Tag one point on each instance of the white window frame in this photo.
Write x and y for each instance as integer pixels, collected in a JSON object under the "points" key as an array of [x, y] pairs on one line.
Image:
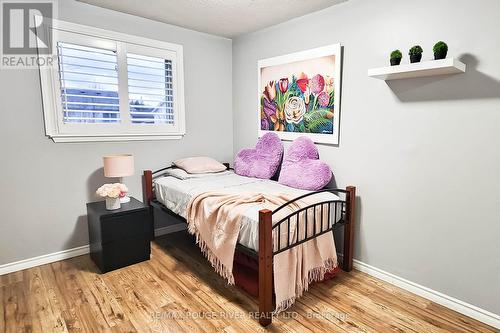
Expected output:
{"points": [[59, 131]]}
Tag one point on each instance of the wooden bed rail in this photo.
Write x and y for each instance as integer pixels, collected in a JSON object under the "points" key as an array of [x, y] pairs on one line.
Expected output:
{"points": [[265, 267], [147, 187], [349, 228]]}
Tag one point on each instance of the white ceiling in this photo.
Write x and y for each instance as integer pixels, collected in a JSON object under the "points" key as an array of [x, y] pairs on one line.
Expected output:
{"points": [[228, 18]]}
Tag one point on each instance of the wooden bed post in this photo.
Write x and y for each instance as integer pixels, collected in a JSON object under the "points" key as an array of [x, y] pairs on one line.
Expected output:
{"points": [[147, 187], [265, 267], [349, 228]]}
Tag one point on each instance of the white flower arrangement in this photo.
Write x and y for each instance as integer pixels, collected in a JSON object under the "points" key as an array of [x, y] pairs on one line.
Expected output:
{"points": [[116, 190]]}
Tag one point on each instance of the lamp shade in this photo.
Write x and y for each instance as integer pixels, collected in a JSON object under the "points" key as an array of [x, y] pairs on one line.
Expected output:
{"points": [[118, 165]]}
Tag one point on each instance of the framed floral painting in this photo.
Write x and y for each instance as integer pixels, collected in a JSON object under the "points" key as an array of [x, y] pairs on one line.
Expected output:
{"points": [[299, 94]]}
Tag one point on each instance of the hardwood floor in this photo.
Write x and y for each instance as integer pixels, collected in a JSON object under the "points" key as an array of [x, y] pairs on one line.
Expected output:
{"points": [[178, 291]]}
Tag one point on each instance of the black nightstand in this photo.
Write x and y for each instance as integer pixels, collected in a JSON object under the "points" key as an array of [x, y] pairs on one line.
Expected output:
{"points": [[121, 237]]}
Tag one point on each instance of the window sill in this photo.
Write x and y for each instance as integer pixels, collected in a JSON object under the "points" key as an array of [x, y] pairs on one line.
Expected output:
{"points": [[112, 138]]}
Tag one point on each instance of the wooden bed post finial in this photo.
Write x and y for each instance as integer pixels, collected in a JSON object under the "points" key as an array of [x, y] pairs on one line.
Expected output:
{"points": [[349, 228], [265, 267]]}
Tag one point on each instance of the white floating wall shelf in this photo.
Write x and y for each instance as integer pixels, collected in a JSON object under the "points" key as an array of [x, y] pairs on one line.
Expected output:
{"points": [[418, 69]]}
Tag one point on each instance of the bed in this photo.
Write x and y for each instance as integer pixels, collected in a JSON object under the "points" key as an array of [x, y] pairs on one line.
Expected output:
{"points": [[167, 194]]}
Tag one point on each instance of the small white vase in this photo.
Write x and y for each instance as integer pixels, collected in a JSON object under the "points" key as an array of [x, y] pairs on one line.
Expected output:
{"points": [[112, 203]]}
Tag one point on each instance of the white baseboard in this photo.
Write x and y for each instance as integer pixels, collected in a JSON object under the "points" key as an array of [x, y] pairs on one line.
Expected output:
{"points": [[70, 253], [470, 310], [170, 229], [43, 259], [457, 305]]}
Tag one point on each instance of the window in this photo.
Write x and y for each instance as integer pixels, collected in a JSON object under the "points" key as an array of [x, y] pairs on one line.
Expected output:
{"points": [[150, 90], [89, 84], [107, 86]]}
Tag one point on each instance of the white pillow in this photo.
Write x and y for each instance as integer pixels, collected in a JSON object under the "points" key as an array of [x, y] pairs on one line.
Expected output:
{"points": [[199, 165], [183, 175]]}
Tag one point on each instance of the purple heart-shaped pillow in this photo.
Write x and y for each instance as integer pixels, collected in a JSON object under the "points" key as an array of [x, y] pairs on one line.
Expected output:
{"points": [[302, 168], [262, 161]]}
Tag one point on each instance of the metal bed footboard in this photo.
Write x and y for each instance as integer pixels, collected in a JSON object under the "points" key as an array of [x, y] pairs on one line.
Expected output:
{"points": [[267, 250], [337, 207]]}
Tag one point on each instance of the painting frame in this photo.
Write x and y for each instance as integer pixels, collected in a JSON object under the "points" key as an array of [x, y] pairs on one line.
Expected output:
{"points": [[334, 50]]}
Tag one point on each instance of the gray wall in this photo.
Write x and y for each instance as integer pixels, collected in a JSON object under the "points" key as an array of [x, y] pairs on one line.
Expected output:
{"points": [[423, 153], [44, 185]]}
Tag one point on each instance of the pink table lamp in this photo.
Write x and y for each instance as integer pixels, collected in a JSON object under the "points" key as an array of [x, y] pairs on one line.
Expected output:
{"points": [[119, 166]]}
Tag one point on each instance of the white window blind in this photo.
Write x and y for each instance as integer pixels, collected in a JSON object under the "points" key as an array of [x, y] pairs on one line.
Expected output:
{"points": [[150, 89], [89, 84], [108, 86]]}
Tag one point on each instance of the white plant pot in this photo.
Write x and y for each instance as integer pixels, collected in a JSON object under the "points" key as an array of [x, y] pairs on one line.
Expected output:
{"points": [[112, 203]]}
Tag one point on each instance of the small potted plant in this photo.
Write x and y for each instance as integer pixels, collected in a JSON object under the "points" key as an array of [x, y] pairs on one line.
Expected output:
{"points": [[440, 50], [396, 56], [415, 53], [112, 193]]}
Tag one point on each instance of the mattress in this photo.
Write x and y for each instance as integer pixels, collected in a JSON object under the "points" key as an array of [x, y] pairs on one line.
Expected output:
{"points": [[175, 194]]}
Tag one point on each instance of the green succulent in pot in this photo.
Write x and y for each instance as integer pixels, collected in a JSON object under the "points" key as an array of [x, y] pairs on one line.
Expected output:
{"points": [[440, 50], [415, 53], [396, 56]]}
